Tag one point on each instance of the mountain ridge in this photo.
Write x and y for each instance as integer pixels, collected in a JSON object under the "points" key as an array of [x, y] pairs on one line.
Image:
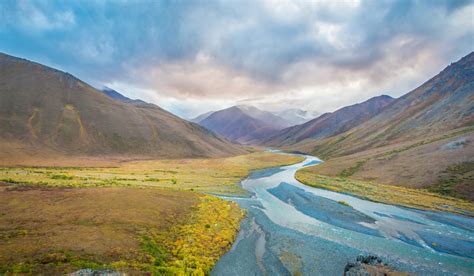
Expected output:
{"points": [[332, 123], [43, 107]]}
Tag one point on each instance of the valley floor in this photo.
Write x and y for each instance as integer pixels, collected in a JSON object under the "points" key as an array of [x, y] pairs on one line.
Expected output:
{"points": [[137, 216]]}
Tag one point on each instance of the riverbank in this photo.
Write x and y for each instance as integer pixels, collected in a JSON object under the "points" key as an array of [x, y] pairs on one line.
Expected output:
{"points": [[143, 216], [395, 195]]}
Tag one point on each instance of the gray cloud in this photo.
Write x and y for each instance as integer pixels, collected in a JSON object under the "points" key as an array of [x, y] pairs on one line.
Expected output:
{"points": [[319, 55]]}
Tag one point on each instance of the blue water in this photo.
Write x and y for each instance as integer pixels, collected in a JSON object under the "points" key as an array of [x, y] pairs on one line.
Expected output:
{"points": [[292, 228]]}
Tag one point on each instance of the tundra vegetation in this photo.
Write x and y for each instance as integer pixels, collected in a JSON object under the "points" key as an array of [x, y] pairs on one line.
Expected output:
{"points": [[403, 196], [141, 216]]}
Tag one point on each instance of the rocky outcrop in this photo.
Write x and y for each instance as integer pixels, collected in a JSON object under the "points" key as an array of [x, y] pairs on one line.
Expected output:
{"points": [[370, 265]]}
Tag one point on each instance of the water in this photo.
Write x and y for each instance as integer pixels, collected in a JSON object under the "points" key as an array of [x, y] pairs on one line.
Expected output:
{"points": [[292, 228]]}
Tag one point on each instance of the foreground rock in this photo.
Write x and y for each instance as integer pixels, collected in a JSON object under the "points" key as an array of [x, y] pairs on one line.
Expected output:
{"points": [[370, 266]]}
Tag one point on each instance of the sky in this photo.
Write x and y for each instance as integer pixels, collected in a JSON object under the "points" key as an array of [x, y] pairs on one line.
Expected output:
{"points": [[192, 56]]}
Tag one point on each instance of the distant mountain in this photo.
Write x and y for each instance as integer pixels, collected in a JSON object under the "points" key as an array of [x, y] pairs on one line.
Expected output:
{"points": [[297, 116], [115, 95], [242, 123], [330, 124], [46, 109], [267, 117], [118, 96], [201, 117]]}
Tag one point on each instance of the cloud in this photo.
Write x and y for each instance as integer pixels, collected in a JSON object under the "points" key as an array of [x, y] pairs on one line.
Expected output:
{"points": [[36, 16], [194, 56]]}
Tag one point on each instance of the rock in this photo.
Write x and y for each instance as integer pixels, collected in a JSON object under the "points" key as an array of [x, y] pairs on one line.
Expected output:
{"points": [[370, 265]]}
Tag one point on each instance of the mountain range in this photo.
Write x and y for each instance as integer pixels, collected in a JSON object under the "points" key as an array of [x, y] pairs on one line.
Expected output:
{"points": [[330, 124], [423, 139], [47, 110], [442, 104], [248, 124]]}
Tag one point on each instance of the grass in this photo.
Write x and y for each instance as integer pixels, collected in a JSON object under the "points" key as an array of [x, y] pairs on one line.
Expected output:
{"points": [[203, 175], [152, 230], [408, 197], [138, 217]]}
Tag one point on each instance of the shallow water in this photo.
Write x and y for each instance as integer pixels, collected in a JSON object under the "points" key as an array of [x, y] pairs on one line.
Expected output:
{"points": [[293, 228]]}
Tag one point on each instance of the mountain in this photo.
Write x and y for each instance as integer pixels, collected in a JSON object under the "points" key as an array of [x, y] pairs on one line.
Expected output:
{"points": [[201, 117], [443, 103], [267, 117], [44, 109], [284, 118], [118, 96], [242, 123], [330, 124], [297, 116], [237, 125], [424, 139]]}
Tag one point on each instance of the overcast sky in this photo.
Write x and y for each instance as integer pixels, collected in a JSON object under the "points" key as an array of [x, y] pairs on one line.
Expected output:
{"points": [[194, 56]]}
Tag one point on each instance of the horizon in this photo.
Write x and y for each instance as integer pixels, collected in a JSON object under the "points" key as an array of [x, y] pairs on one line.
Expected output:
{"points": [[193, 57]]}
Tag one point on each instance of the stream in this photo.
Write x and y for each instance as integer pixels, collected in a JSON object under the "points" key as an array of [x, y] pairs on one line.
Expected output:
{"points": [[293, 229]]}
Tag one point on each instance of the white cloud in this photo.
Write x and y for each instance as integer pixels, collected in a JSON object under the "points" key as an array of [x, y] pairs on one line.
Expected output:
{"points": [[34, 18]]}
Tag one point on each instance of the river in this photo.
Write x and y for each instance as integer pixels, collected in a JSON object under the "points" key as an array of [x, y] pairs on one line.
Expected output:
{"points": [[293, 229]]}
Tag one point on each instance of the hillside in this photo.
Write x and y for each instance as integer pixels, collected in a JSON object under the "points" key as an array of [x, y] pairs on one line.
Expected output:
{"points": [[443, 103], [424, 139], [46, 110], [330, 124]]}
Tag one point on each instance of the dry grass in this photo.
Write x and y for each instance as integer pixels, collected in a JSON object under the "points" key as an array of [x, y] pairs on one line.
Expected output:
{"points": [[139, 216], [60, 230], [414, 198], [206, 175]]}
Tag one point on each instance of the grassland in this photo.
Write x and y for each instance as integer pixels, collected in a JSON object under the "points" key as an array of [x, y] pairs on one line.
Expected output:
{"points": [[217, 175], [143, 216], [402, 196]]}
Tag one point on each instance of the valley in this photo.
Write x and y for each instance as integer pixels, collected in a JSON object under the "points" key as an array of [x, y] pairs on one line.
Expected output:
{"points": [[142, 190], [237, 138]]}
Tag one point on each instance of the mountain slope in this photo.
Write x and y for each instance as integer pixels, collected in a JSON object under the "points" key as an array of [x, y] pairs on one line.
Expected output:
{"points": [[443, 103], [330, 124], [424, 139], [236, 125], [43, 108]]}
